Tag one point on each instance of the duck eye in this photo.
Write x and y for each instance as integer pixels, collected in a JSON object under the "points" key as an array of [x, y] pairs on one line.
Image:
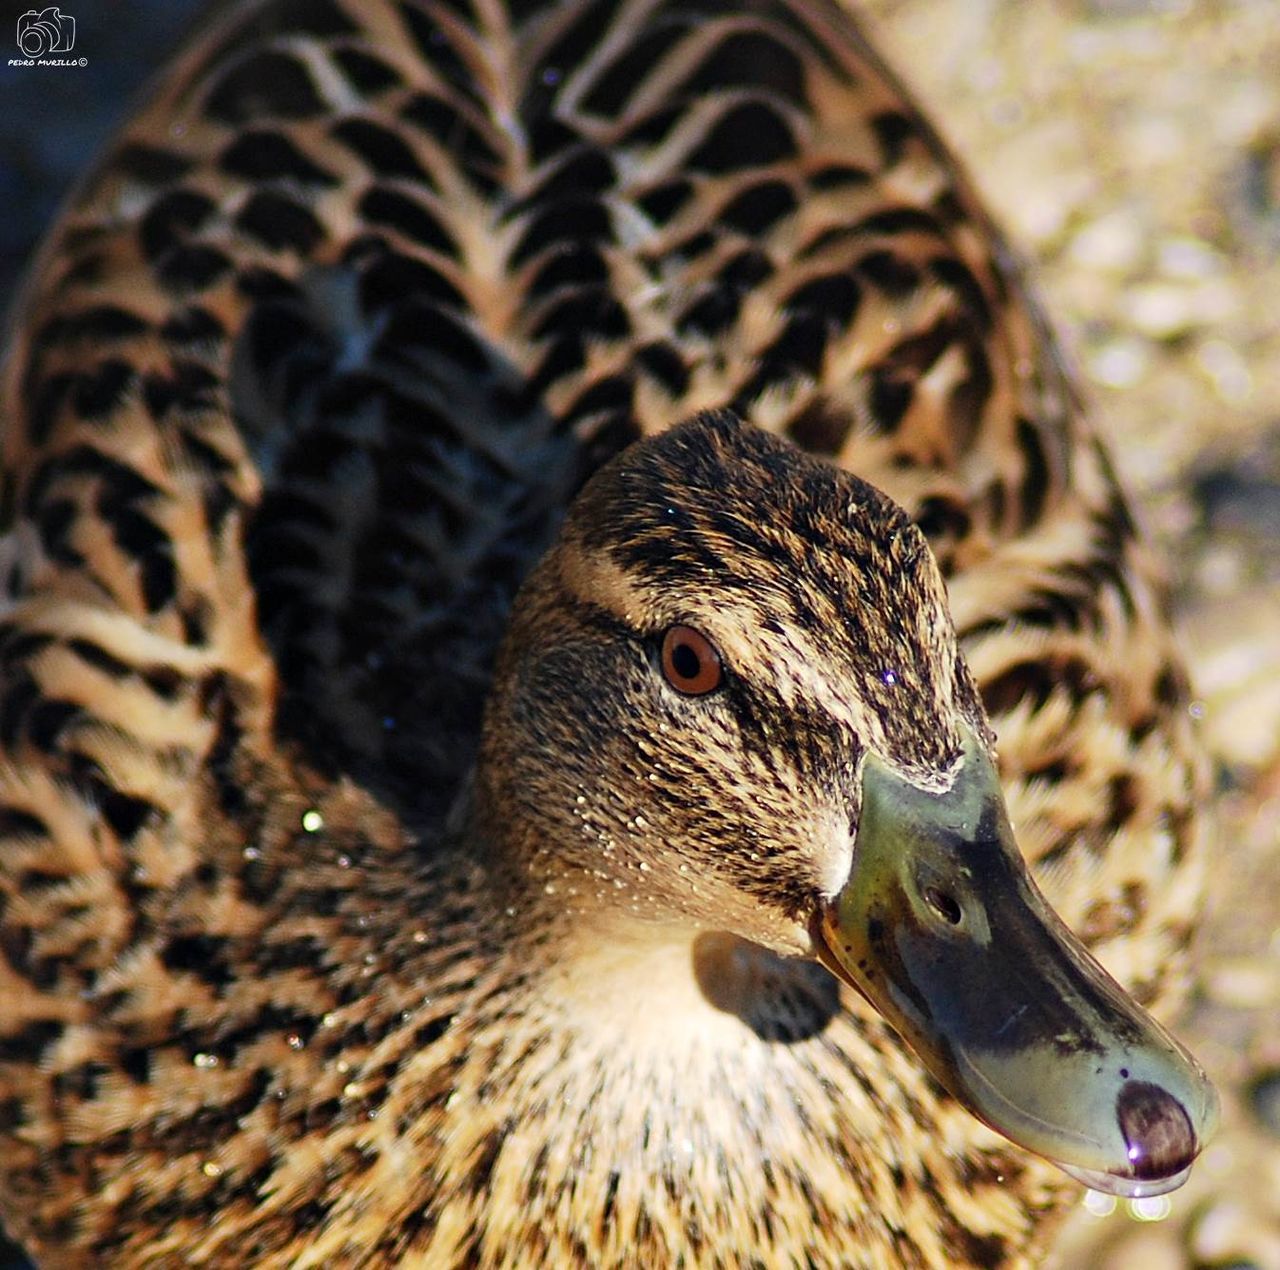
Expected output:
{"points": [[690, 662]]}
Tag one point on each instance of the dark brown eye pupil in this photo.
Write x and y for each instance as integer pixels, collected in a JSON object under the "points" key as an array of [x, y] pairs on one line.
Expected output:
{"points": [[685, 661], [690, 661]]}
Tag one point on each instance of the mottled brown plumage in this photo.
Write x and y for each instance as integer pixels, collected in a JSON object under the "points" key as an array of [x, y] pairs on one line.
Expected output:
{"points": [[304, 381]]}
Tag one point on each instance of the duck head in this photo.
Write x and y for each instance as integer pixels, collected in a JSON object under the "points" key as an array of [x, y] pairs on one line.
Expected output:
{"points": [[731, 699]]}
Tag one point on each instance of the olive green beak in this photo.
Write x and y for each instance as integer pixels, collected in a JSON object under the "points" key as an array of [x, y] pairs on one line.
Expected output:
{"points": [[942, 929]]}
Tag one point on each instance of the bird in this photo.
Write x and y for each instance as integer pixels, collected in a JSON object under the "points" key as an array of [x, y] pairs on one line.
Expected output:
{"points": [[564, 624]]}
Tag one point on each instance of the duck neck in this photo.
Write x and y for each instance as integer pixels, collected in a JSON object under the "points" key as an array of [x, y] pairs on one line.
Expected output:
{"points": [[620, 949], [517, 1023], [593, 935]]}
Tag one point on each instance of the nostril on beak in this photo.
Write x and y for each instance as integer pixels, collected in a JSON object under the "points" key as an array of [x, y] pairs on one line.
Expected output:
{"points": [[1157, 1130]]}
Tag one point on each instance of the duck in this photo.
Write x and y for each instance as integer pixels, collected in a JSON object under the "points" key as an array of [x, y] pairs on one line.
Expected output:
{"points": [[578, 686]]}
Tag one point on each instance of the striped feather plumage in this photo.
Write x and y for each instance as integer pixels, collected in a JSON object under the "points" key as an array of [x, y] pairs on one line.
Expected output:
{"points": [[305, 379]]}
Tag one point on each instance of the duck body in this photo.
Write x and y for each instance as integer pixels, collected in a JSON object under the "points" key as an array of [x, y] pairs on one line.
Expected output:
{"points": [[305, 380]]}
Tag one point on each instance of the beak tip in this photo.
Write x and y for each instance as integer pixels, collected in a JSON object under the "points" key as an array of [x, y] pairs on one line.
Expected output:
{"points": [[1160, 1139]]}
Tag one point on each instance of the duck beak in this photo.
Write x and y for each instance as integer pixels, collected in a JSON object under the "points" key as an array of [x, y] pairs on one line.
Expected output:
{"points": [[942, 929]]}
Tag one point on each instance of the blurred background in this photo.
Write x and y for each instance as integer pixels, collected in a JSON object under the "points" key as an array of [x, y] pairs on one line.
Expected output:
{"points": [[1132, 149]]}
